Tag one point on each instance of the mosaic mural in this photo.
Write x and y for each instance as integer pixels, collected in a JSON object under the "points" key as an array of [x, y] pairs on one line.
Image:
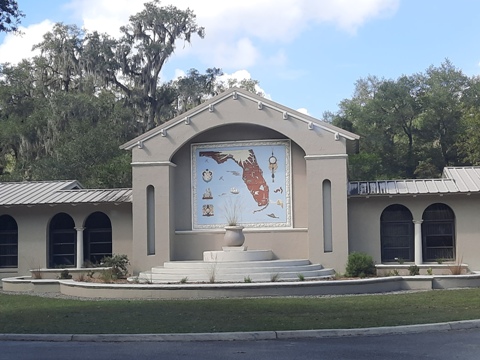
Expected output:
{"points": [[253, 177]]}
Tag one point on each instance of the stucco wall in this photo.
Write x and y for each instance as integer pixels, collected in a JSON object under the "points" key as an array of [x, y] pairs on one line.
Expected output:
{"points": [[33, 223], [286, 243], [165, 163], [364, 222]]}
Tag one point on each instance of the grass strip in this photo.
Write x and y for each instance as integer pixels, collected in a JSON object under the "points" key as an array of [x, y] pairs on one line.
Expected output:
{"points": [[37, 315]]}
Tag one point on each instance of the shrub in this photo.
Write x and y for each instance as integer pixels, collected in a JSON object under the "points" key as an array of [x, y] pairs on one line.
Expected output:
{"points": [[119, 265], [360, 265], [413, 270], [65, 275]]}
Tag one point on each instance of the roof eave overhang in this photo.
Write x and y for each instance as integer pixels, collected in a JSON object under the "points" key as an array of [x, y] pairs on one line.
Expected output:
{"points": [[234, 93]]}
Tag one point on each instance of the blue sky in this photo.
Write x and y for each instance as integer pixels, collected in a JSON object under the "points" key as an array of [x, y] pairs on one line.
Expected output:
{"points": [[307, 54]]}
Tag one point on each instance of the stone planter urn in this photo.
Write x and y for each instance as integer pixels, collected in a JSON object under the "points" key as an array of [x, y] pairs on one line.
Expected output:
{"points": [[234, 235]]}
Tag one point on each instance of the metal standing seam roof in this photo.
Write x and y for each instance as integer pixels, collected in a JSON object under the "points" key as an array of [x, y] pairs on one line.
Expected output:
{"points": [[454, 180], [58, 192], [466, 178]]}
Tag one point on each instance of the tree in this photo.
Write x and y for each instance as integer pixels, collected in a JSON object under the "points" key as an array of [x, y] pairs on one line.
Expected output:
{"points": [[441, 119], [10, 16], [59, 61], [195, 88], [413, 126], [64, 113], [88, 149], [147, 42]]}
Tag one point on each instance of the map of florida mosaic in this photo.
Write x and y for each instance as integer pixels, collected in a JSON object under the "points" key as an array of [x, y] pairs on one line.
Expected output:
{"points": [[255, 176]]}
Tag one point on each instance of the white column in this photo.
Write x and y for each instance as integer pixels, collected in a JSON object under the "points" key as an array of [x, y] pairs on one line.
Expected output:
{"points": [[79, 246], [418, 242]]}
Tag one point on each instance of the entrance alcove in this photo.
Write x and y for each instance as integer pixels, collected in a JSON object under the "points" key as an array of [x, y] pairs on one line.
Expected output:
{"points": [[190, 243]]}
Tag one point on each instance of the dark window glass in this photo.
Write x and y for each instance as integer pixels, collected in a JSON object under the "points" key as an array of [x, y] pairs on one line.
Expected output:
{"points": [[438, 231], [396, 233], [8, 242], [62, 241], [97, 237]]}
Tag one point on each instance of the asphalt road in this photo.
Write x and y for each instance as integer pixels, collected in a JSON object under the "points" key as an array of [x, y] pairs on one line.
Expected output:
{"points": [[459, 344]]}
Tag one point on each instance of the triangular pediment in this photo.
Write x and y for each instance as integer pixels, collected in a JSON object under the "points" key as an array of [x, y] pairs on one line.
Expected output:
{"points": [[304, 122]]}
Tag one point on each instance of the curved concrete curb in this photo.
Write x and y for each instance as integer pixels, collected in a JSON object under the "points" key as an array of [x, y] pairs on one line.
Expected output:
{"points": [[248, 336]]}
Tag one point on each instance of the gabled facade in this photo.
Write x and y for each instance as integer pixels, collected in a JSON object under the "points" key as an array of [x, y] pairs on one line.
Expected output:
{"points": [[168, 222]]}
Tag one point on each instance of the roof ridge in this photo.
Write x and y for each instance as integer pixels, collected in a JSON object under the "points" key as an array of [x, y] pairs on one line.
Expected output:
{"points": [[37, 181], [96, 189]]}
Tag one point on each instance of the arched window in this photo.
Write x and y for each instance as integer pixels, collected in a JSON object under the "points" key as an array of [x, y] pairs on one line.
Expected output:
{"points": [[396, 232], [8, 242], [438, 231], [97, 238], [62, 241]]}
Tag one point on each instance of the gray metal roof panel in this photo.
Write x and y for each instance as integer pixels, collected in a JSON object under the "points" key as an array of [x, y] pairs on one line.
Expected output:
{"points": [[99, 195], [467, 178], [402, 187], [26, 193], [57, 192]]}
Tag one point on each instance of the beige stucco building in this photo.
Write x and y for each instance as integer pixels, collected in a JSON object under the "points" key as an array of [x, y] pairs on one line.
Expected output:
{"points": [[289, 172]]}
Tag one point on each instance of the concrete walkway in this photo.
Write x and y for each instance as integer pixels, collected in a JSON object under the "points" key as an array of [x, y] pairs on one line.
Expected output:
{"points": [[247, 336]]}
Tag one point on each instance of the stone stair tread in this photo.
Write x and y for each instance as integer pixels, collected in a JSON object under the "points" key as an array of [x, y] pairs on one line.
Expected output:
{"points": [[239, 277], [235, 271], [243, 270], [201, 264]]}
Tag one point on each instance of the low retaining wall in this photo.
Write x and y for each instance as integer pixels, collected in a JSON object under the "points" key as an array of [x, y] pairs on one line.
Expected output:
{"points": [[239, 290]]}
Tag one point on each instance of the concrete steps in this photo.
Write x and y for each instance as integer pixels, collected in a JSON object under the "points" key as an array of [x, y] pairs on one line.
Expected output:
{"points": [[234, 271]]}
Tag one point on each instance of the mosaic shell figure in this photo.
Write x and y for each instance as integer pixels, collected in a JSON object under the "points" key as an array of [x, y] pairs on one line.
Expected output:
{"points": [[207, 175]]}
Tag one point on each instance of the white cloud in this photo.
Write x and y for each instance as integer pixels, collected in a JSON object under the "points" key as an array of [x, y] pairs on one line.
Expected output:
{"points": [[235, 29], [18, 47], [238, 33], [240, 75], [303, 111], [349, 15], [178, 74], [105, 16], [237, 55]]}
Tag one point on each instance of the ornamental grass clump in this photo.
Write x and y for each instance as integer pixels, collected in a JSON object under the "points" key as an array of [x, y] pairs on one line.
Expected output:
{"points": [[232, 211], [360, 265]]}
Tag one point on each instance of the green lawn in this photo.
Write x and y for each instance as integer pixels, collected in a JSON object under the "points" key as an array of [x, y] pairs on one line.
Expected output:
{"points": [[32, 314]]}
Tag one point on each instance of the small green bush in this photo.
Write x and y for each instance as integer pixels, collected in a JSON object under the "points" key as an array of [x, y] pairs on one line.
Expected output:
{"points": [[119, 265], [413, 270], [65, 275], [360, 265]]}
